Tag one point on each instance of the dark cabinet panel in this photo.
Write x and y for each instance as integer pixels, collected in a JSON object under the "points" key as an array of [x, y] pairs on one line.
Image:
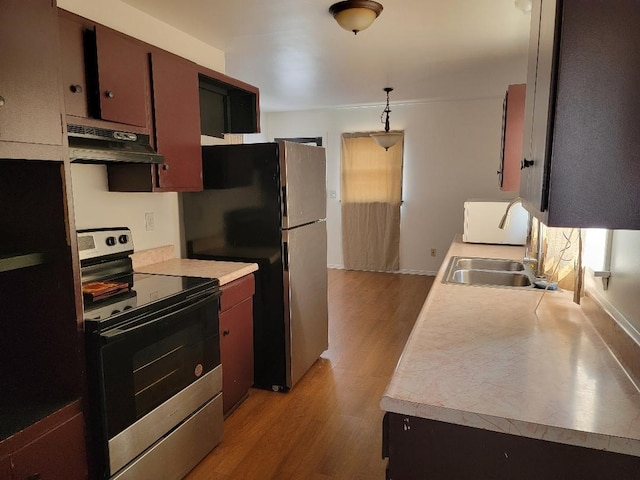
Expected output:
{"points": [[236, 341], [74, 82], [60, 453], [177, 122], [30, 95], [227, 105], [582, 162], [5, 468], [122, 78], [420, 448]]}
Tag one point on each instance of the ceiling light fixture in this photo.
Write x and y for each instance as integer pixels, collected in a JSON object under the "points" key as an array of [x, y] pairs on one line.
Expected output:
{"points": [[355, 15], [524, 5], [386, 139]]}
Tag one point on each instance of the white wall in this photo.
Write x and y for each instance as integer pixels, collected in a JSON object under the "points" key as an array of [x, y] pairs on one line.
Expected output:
{"points": [[452, 151], [621, 298], [94, 205]]}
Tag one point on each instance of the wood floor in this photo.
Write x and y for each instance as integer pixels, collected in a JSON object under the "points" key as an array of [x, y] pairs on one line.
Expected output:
{"points": [[329, 425]]}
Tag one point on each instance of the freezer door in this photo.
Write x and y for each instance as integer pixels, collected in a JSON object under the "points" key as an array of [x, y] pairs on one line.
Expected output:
{"points": [[306, 306], [303, 178]]}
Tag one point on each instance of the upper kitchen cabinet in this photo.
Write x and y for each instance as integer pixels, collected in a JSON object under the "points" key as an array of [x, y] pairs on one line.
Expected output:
{"points": [[512, 130], [31, 108], [122, 78], [581, 157], [187, 100], [74, 82], [227, 105], [105, 75], [177, 122]]}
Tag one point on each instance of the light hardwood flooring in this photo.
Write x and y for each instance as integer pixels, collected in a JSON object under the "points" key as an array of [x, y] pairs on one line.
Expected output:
{"points": [[329, 426]]}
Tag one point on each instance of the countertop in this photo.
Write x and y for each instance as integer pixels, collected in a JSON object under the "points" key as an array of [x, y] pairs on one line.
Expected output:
{"points": [[485, 357], [225, 272]]}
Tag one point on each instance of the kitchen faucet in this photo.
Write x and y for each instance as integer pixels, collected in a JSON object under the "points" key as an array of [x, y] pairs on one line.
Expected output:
{"points": [[535, 261]]}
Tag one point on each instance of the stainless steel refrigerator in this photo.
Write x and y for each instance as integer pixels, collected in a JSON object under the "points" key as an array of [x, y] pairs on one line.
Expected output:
{"points": [[266, 203]]}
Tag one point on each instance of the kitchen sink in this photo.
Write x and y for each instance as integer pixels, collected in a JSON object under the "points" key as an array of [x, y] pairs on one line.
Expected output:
{"points": [[487, 277], [489, 264], [494, 272]]}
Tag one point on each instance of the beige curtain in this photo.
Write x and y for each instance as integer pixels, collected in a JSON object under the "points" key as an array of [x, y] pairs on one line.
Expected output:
{"points": [[371, 195]]}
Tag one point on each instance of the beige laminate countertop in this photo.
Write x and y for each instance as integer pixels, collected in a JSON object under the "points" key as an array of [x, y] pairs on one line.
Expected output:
{"points": [[225, 272], [485, 357]]}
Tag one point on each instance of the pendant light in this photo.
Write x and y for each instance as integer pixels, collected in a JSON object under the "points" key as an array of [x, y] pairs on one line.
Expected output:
{"points": [[386, 139], [355, 15]]}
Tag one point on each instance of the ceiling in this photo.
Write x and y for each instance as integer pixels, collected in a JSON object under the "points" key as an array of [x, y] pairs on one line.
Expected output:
{"points": [[295, 52]]}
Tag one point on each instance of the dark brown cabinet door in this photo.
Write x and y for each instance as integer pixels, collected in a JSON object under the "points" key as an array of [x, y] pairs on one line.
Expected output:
{"points": [[59, 453], [5, 468], [73, 67], [122, 78], [30, 103], [177, 122], [582, 149], [236, 340]]}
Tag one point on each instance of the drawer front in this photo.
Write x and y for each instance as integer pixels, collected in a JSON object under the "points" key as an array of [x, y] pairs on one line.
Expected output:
{"points": [[236, 291]]}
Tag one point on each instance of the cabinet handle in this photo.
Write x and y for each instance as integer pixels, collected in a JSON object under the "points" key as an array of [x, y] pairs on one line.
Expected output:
{"points": [[109, 94], [76, 88], [225, 333], [2, 101], [526, 164], [165, 166], [35, 476]]}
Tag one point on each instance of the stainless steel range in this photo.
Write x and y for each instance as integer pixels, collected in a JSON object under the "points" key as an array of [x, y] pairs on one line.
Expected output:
{"points": [[153, 363]]}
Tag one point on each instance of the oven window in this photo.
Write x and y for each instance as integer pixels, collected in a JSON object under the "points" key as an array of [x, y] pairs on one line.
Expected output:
{"points": [[146, 365], [159, 370]]}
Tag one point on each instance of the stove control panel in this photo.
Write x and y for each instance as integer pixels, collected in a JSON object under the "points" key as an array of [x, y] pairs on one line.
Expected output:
{"points": [[100, 242]]}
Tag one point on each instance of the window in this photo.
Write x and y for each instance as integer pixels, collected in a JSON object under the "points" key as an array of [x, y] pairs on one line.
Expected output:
{"points": [[371, 192]]}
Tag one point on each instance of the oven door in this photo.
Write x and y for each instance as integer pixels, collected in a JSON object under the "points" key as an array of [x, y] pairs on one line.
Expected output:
{"points": [[145, 366]]}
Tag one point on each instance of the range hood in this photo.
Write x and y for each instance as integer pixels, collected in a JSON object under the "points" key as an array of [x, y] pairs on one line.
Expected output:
{"points": [[101, 145]]}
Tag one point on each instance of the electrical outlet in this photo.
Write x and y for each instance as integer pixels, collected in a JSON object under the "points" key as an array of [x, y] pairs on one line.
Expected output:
{"points": [[433, 252], [149, 222]]}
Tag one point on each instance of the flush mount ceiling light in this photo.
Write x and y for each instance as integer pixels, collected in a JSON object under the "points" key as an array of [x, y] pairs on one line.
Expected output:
{"points": [[355, 15], [386, 139], [524, 5]]}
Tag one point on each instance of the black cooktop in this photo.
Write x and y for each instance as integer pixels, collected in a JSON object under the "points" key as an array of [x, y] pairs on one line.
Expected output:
{"points": [[148, 292]]}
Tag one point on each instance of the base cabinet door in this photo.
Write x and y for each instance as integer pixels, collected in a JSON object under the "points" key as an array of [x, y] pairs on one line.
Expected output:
{"points": [[236, 341], [58, 454], [419, 448], [5, 468]]}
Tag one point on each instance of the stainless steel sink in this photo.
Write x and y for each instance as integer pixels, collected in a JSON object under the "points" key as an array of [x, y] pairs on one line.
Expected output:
{"points": [[487, 277], [489, 264], [494, 272]]}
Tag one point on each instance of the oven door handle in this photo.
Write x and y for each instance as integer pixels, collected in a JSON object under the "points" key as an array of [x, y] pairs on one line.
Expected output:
{"points": [[116, 333]]}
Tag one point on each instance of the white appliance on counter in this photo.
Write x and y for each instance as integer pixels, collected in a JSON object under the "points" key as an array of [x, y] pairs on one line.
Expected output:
{"points": [[482, 217]]}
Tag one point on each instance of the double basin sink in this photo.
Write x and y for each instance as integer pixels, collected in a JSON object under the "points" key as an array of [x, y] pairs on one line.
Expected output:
{"points": [[494, 272]]}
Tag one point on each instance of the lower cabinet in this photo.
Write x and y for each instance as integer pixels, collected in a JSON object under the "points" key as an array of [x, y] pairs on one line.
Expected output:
{"points": [[418, 448], [51, 449], [236, 341]]}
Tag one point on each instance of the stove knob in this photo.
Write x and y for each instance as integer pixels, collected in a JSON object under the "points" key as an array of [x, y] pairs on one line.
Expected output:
{"points": [[111, 241], [115, 311], [123, 239]]}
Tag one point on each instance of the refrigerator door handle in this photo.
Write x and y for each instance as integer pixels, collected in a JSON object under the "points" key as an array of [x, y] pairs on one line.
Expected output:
{"points": [[284, 201], [285, 256]]}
